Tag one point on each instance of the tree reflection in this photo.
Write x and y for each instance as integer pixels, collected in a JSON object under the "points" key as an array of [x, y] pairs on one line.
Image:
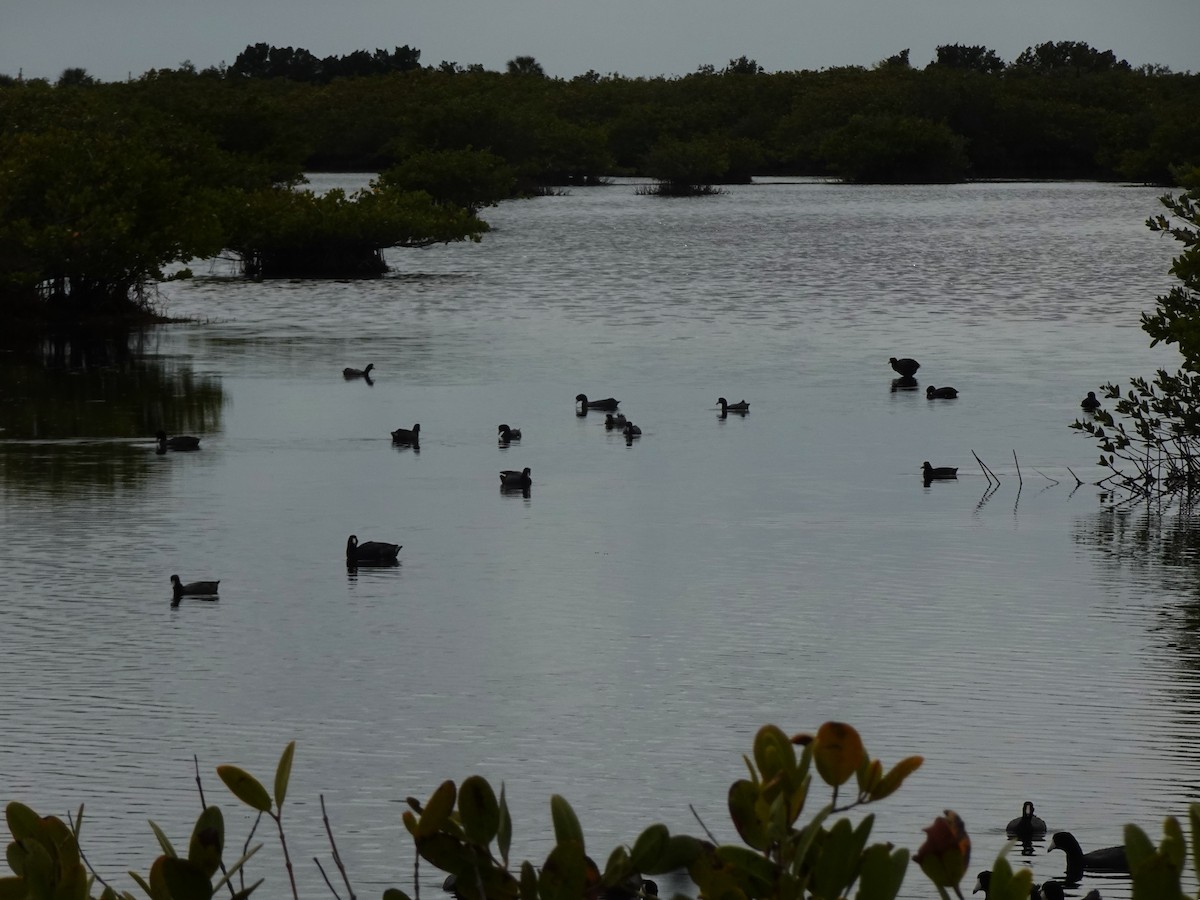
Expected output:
{"points": [[82, 411]]}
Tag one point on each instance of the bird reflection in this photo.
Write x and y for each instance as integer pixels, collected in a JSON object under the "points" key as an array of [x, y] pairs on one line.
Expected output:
{"points": [[904, 383]]}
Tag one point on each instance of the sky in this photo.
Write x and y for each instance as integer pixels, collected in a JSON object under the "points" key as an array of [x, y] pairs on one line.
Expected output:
{"points": [[117, 39]]}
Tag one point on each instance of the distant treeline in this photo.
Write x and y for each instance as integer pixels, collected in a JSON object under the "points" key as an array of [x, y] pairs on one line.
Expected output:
{"points": [[1060, 110]]}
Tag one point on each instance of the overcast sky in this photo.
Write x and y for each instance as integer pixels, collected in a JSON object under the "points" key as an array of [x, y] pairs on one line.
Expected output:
{"points": [[113, 39]]}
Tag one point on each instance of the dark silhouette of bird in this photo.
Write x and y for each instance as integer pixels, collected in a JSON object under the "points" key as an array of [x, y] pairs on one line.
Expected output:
{"points": [[607, 403], [370, 553], [179, 442], [905, 366], [740, 407], [1026, 826], [511, 478], [349, 373], [509, 434], [938, 473], [1109, 859], [407, 435], [1091, 402], [179, 590], [941, 393]]}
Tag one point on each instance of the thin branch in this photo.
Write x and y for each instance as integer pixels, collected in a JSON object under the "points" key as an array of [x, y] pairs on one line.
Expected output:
{"points": [[204, 805], [76, 824], [1047, 477], [1020, 480], [246, 848], [416, 874], [287, 859], [337, 857], [328, 883], [988, 473], [702, 825]]}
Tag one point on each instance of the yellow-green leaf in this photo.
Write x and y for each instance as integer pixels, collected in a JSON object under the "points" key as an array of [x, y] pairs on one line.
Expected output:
{"points": [[22, 821], [564, 874], [437, 810], [245, 787], [773, 753], [837, 752], [895, 777], [283, 772], [162, 839], [186, 881]]}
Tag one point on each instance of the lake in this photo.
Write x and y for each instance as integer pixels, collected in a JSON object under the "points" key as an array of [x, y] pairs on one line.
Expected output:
{"points": [[618, 635]]}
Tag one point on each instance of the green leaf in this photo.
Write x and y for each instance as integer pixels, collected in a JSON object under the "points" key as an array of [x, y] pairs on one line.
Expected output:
{"points": [[529, 881], [186, 881], [566, 825], [283, 772], [747, 813], [13, 888], [1194, 819], [649, 847], [564, 873], [141, 882], [163, 841], [245, 787], [837, 862], [681, 852], [208, 841], [478, 810], [504, 830], [882, 873], [755, 871], [437, 810], [618, 868]]}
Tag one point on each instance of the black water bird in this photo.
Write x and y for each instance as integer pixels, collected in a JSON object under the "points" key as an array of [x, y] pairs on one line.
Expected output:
{"points": [[179, 590], [940, 393], [349, 373], [179, 442], [511, 478], [983, 882], [607, 403], [938, 473], [906, 367], [726, 407], [407, 435], [509, 434], [1109, 859], [1026, 826], [617, 421], [632, 431], [1091, 402], [370, 553]]}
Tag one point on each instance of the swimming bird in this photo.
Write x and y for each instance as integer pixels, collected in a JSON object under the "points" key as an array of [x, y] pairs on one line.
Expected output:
{"points": [[934, 473], [378, 553], [179, 442], [1091, 402], [983, 882], [606, 403], [632, 431], [726, 407], [617, 421], [349, 373], [180, 590], [511, 478], [509, 434], [940, 393], [1110, 859], [406, 435], [906, 367], [1026, 826]]}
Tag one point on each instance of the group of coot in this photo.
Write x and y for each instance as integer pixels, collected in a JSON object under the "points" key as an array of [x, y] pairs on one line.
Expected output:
{"points": [[1027, 827]]}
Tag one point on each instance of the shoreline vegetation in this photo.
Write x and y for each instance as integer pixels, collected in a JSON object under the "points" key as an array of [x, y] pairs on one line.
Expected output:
{"points": [[107, 185]]}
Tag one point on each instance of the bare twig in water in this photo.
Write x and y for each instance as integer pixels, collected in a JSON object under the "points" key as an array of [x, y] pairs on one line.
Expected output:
{"points": [[416, 874], [1078, 483], [702, 825], [1020, 480], [337, 857], [1048, 478], [988, 473], [246, 849]]}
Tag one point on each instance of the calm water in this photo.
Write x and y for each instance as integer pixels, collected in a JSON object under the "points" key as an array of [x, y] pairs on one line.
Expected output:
{"points": [[619, 635]]}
